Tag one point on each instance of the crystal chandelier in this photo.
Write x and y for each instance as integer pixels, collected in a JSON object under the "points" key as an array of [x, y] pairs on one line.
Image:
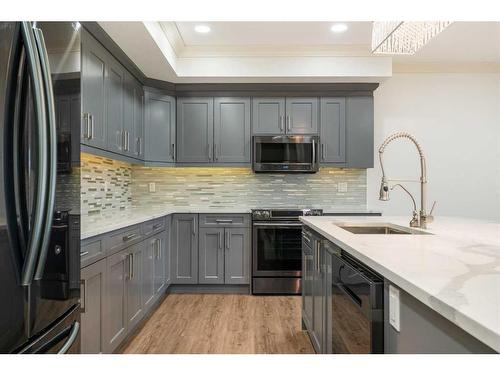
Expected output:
{"points": [[404, 38]]}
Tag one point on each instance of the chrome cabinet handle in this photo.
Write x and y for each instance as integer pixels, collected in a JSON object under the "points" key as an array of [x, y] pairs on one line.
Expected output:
{"points": [[84, 253], [129, 237], [86, 118], [281, 122], [220, 240], [157, 226], [172, 151], [227, 240], [91, 127], [215, 152], [138, 145], [306, 238], [288, 121], [229, 221], [209, 152], [128, 141], [83, 300]]}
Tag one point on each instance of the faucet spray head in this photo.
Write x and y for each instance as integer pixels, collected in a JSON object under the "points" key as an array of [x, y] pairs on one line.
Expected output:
{"points": [[384, 190]]}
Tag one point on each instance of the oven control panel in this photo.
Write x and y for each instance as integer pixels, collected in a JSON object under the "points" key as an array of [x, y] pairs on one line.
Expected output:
{"points": [[291, 214]]}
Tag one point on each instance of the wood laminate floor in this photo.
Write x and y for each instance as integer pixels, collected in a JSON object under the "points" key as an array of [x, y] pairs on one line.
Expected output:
{"points": [[224, 324]]}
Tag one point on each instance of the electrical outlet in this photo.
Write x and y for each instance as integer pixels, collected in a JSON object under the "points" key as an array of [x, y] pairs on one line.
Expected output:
{"points": [[394, 307], [152, 187], [342, 187]]}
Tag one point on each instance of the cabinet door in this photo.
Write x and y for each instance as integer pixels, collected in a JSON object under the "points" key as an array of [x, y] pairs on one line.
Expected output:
{"points": [[195, 130], [92, 300], [302, 115], [160, 128], [359, 130], [211, 256], [138, 147], [332, 138], [268, 115], [159, 271], [327, 330], [237, 257], [75, 116], [318, 312], [184, 249], [168, 251], [93, 92], [115, 89], [307, 284], [148, 288], [128, 115], [134, 308], [232, 130], [115, 318]]}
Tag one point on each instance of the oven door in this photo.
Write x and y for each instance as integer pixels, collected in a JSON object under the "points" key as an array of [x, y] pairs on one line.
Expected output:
{"points": [[285, 153], [277, 249]]}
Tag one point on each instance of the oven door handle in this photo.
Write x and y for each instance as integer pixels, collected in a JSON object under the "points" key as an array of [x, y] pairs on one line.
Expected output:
{"points": [[276, 225]]}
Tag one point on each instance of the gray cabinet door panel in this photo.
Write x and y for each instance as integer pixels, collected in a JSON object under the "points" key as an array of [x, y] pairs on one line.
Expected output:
{"points": [[148, 288], [115, 88], [138, 126], [115, 317], [318, 298], [93, 91], [268, 115], [237, 256], [160, 128], [195, 130], [184, 249], [135, 310], [359, 132], [302, 115], [211, 256], [333, 130], [159, 264], [232, 130], [93, 298], [168, 251], [307, 285]]}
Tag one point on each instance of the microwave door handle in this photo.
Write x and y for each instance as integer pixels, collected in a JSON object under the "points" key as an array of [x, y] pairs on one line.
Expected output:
{"points": [[52, 150]]}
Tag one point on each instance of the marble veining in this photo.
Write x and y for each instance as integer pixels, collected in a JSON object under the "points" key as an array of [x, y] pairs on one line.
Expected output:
{"points": [[455, 271]]}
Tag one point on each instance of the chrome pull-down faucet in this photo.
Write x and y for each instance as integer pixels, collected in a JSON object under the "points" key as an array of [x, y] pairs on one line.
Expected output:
{"points": [[422, 219]]}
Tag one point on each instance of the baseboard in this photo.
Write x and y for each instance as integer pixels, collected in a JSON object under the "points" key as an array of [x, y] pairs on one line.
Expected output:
{"points": [[209, 289]]}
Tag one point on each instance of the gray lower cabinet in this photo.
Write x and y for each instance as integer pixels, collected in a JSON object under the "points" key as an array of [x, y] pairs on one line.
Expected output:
{"points": [[302, 115], [237, 256], [195, 130], [115, 317], [184, 249], [307, 280], [148, 263], [160, 262], [317, 326], [268, 115], [160, 128], [134, 309], [211, 256], [333, 131], [232, 140], [93, 296]]}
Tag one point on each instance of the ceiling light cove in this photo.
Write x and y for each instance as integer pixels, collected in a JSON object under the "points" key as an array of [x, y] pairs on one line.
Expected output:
{"points": [[339, 28], [202, 29]]}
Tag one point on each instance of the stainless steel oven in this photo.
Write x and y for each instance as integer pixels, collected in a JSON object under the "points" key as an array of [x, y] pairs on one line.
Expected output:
{"points": [[285, 153], [277, 250]]}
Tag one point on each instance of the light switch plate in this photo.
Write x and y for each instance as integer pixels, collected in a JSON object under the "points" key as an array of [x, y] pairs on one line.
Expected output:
{"points": [[342, 187], [152, 187], [394, 307]]}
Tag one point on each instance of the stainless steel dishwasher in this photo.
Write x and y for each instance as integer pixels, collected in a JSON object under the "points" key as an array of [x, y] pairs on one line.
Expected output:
{"points": [[354, 305]]}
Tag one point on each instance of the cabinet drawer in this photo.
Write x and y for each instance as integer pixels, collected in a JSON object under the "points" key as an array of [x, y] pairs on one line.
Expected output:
{"points": [[226, 220], [123, 238], [152, 227], [92, 250]]}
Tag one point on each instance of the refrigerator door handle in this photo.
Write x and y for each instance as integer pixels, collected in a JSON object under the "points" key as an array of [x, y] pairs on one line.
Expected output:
{"points": [[51, 142], [71, 338], [39, 215]]}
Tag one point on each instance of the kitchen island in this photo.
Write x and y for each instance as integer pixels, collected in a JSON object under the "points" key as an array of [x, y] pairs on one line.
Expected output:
{"points": [[449, 280]]}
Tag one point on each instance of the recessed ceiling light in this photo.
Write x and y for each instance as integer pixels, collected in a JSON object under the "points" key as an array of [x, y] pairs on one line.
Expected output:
{"points": [[339, 28], [202, 29]]}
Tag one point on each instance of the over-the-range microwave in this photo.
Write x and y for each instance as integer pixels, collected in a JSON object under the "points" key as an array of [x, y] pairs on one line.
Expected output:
{"points": [[286, 153]]}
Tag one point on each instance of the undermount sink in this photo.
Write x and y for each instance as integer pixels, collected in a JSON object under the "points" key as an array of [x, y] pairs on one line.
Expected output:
{"points": [[379, 229]]}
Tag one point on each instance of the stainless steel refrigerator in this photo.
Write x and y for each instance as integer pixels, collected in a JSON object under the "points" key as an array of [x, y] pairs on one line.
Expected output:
{"points": [[39, 187]]}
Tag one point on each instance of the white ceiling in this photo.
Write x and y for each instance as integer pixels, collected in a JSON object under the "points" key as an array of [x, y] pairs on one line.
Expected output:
{"points": [[292, 51]]}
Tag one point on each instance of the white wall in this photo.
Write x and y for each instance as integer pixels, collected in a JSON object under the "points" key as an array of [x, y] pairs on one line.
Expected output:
{"points": [[456, 118]]}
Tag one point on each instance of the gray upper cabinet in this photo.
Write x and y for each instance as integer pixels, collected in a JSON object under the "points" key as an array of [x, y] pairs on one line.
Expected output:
{"points": [[232, 141], [138, 125], [93, 129], [237, 256], [115, 89], [160, 128], [333, 131], [301, 115], [92, 301], [184, 249], [211, 256], [359, 132], [195, 130], [268, 115], [132, 117]]}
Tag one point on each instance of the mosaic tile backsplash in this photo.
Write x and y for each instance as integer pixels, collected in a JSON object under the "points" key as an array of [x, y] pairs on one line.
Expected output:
{"points": [[111, 185]]}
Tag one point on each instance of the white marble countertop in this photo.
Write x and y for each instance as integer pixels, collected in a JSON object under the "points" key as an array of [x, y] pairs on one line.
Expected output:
{"points": [[456, 271], [94, 225]]}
